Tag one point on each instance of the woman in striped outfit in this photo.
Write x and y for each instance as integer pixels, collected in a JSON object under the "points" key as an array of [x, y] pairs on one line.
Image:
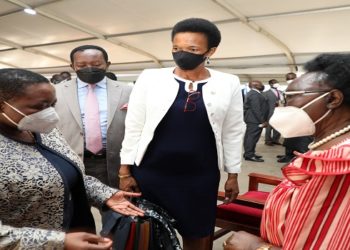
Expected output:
{"points": [[310, 209]]}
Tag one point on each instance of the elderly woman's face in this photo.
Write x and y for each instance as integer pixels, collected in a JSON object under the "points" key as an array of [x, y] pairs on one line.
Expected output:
{"points": [[196, 43], [36, 98], [308, 83]]}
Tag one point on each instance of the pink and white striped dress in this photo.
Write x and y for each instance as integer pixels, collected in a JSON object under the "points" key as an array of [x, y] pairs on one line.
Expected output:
{"points": [[310, 209]]}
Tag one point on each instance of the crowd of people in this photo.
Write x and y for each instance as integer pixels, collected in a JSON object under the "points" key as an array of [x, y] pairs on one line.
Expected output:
{"points": [[92, 140]]}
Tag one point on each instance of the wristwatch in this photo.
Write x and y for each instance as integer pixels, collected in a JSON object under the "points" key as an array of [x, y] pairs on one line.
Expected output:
{"points": [[264, 246]]}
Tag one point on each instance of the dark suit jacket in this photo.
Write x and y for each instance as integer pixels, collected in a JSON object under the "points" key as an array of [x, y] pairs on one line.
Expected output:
{"points": [[256, 108], [272, 100]]}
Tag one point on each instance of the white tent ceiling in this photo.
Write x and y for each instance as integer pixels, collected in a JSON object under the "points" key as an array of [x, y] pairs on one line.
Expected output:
{"points": [[261, 39]]}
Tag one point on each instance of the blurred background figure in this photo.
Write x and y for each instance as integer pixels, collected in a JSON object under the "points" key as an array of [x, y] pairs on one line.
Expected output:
{"points": [[56, 78], [290, 77], [66, 75], [246, 88], [274, 99], [256, 111]]}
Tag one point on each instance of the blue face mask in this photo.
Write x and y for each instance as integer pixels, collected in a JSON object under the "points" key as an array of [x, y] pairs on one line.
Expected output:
{"points": [[187, 60]]}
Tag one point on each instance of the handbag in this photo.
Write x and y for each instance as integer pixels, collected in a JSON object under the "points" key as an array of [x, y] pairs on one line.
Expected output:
{"points": [[154, 231]]}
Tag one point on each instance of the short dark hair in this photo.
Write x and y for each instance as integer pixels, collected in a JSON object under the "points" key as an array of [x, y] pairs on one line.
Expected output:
{"points": [[56, 78], [13, 82], [336, 68], [65, 73], [199, 25], [272, 81], [291, 76], [85, 47]]}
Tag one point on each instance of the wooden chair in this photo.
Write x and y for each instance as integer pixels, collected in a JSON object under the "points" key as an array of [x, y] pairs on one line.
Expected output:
{"points": [[246, 211]]}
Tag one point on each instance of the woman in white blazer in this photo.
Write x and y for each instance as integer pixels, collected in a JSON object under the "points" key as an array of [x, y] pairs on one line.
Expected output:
{"points": [[182, 125]]}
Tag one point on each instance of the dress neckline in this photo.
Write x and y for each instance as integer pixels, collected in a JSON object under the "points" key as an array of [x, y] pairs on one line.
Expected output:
{"points": [[187, 83]]}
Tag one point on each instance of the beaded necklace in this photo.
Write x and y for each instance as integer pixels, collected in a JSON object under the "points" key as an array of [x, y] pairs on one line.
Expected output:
{"points": [[329, 138]]}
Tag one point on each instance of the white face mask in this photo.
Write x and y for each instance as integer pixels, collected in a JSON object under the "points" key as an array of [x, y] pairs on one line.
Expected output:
{"points": [[275, 85], [294, 122], [41, 122], [289, 81]]}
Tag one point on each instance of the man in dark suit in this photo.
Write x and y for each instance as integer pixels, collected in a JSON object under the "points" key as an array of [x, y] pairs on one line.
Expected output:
{"points": [[255, 116], [274, 99]]}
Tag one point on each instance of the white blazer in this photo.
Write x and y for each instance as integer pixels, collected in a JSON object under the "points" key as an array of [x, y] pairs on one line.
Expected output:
{"points": [[153, 95]]}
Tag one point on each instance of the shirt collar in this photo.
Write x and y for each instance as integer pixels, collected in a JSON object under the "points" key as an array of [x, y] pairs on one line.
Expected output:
{"points": [[101, 84]]}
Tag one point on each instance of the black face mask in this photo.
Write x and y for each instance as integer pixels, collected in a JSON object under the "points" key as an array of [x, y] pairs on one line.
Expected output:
{"points": [[91, 75], [188, 61]]}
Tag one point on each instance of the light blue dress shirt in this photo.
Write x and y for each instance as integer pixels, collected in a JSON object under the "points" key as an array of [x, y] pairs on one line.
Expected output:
{"points": [[101, 93]]}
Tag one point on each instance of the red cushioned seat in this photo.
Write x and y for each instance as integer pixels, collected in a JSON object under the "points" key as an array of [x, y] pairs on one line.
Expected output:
{"points": [[246, 211], [241, 213], [257, 195]]}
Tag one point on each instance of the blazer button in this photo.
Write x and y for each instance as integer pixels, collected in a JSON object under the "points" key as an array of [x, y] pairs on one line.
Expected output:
{"points": [[213, 93], [209, 104]]}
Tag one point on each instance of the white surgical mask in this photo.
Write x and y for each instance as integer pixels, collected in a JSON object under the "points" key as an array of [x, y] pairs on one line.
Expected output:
{"points": [[294, 122], [289, 81], [275, 85], [41, 122]]}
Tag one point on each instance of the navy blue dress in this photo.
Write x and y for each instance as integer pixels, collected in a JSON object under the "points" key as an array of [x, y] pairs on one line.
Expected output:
{"points": [[77, 215], [180, 170]]}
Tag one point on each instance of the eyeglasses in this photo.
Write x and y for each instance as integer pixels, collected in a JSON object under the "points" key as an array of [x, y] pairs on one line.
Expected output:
{"points": [[190, 104], [302, 92]]}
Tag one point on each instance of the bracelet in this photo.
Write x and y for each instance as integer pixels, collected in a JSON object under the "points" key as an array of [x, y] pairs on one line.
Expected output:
{"points": [[124, 176], [265, 246]]}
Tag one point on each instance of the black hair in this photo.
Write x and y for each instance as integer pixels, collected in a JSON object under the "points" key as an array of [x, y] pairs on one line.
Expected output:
{"points": [[199, 25], [291, 76], [336, 68], [13, 82], [85, 47], [65, 73], [56, 78], [272, 81]]}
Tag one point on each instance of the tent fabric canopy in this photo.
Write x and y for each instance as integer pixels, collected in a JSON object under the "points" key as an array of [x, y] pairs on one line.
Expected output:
{"points": [[260, 39]]}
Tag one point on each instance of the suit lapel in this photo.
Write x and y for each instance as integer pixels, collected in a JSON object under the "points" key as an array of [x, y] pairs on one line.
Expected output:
{"points": [[114, 92], [70, 92]]}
